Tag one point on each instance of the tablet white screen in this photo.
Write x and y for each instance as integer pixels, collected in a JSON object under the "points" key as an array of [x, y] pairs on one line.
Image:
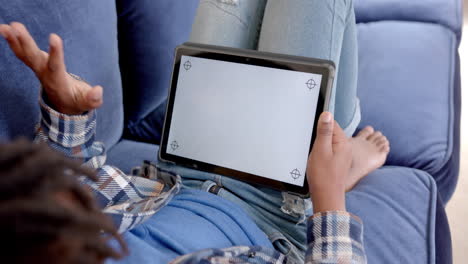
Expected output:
{"points": [[248, 118]]}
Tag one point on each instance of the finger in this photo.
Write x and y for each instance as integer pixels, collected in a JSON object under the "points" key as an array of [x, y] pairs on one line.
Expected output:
{"points": [[31, 52], [8, 33], [56, 61], [5, 30], [94, 98], [323, 140]]}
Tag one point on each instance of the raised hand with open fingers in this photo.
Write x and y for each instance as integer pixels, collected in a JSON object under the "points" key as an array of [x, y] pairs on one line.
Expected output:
{"points": [[67, 94]]}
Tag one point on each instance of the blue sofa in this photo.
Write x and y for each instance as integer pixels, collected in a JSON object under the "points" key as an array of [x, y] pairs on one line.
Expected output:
{"points": [[409, 77]]}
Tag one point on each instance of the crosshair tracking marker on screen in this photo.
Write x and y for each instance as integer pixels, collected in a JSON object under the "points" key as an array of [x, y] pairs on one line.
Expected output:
{"points": [[187, 65], [174, 145], [295, 174], [311, 84]]}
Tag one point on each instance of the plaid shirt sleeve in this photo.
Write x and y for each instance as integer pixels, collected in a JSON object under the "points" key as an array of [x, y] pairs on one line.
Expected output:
{"points": [[335, 237], [128, 200]]}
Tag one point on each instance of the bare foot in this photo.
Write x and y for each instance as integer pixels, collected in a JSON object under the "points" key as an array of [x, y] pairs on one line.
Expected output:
{"points": [[370, 150]]}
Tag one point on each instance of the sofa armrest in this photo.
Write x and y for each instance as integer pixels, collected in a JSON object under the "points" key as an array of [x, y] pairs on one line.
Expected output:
{"points": [[448, 13]]}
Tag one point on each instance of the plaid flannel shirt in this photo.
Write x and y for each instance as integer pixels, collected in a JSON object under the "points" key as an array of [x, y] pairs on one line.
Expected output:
{"points": [[128, 199], [333, 237]]}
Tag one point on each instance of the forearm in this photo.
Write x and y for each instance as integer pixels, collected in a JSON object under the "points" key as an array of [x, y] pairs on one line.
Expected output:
{"points": [[328, 199], [333, 235]]}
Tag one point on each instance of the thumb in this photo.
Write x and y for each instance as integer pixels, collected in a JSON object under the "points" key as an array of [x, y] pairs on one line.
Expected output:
{"points": [[324, 138], [340, 140], [94, 98]]}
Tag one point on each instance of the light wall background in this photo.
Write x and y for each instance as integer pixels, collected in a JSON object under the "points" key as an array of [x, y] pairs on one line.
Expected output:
{"points": [[457, 208]]}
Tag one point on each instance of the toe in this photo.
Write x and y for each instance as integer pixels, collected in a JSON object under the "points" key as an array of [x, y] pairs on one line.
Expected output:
{"points": [[381, 142], [385, 148], [382, 138], [366, 132], [374, 136]]}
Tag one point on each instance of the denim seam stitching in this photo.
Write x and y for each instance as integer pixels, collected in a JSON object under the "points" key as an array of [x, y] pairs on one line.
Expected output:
{"points": [[333, 29]]}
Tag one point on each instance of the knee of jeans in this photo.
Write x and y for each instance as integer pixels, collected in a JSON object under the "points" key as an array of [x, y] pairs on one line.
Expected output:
{"points": [[348, 3], [350, 7], [229, 2], [229, 8]]}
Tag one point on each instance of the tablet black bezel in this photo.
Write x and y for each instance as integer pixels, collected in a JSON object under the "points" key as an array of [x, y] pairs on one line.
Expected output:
{"points": [[322, 67]]}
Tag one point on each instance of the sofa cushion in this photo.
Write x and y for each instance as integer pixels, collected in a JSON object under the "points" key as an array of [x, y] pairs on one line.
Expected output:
{"points": [[89, 31], [128, 154], [445, 12], [407, 72], [398, 208], [149, 31]]}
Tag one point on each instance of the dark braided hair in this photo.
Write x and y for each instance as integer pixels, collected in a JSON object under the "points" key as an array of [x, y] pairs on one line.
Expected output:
{"points": [[46, 215]]}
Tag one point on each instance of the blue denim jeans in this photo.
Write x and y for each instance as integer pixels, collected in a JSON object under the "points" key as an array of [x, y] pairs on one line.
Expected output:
{"points": [[283, 223], [324, 29]]}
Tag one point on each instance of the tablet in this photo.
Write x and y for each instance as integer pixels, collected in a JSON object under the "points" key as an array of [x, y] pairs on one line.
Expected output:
{"points": [[245, 114]]}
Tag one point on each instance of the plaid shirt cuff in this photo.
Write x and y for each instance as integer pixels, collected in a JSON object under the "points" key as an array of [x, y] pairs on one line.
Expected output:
{"points": [[66, 130], [335, 237]]}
